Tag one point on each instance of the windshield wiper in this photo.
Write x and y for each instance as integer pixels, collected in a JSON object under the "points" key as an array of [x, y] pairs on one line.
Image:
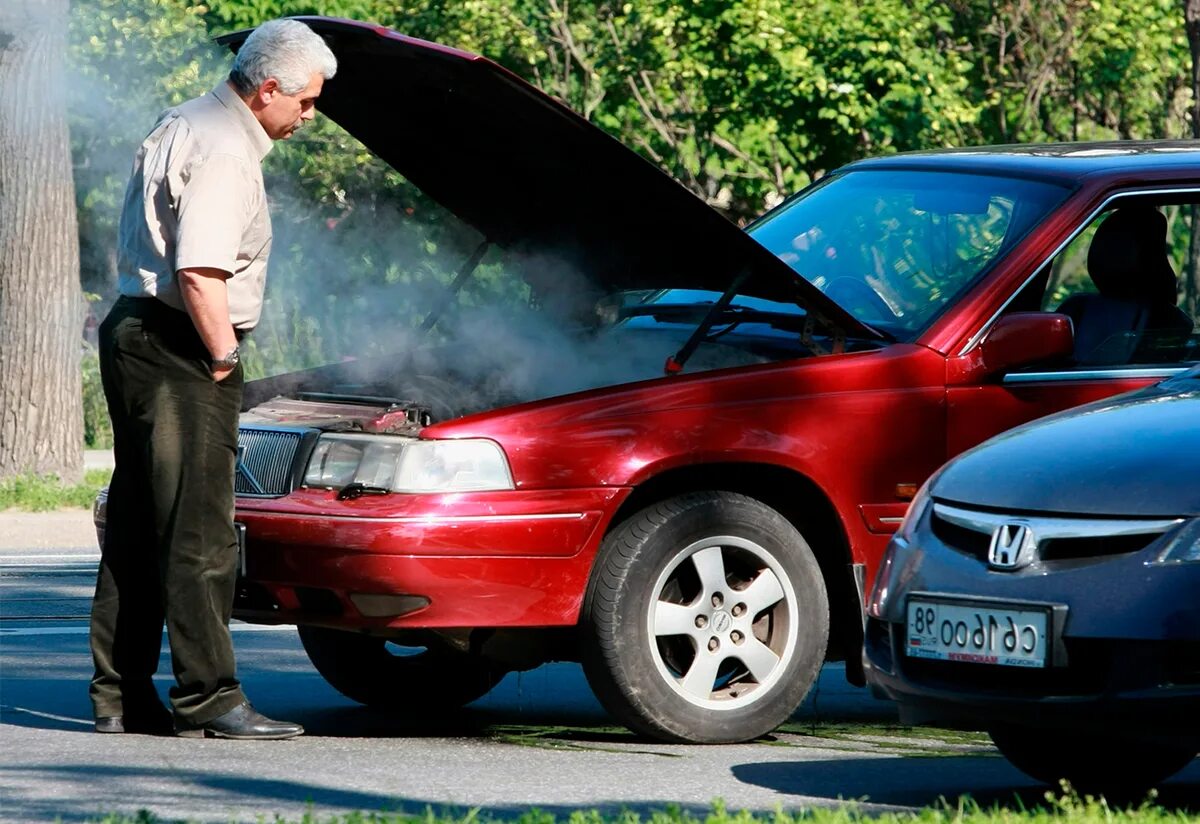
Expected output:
{"points": [[358, 489], [734, 315], [724, 311], [675, 363]]}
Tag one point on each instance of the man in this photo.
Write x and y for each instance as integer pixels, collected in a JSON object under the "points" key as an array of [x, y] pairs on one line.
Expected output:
{"points": [[193, 245]]}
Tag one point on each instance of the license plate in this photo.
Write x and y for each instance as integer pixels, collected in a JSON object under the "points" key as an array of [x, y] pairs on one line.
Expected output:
{"points": [[1006, 635], [240, 529]]}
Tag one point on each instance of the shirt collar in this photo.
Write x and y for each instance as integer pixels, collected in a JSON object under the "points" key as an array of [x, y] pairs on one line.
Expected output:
{"points": [[245, 118]]}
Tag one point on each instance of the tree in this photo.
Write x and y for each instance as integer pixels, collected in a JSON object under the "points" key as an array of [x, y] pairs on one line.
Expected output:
{"points": [[742, 101], [41, 305], [1074, 69]]}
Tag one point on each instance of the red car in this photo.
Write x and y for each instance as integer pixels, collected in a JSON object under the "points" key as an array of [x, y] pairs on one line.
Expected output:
{"points": [[690, 464]]}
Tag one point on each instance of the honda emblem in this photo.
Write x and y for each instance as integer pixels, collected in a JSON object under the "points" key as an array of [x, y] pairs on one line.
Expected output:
{"points": [[1013, 545]]}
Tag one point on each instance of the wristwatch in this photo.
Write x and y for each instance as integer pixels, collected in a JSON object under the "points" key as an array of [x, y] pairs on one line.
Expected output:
{"points": [[230, 360]]}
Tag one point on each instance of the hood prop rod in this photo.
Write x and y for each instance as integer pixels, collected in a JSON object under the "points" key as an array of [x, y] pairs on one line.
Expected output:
{"points": [[467, 270], [675, 363]]}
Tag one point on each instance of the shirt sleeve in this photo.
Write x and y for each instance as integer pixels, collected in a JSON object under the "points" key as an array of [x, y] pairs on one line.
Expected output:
{"points": [[213, 214]]}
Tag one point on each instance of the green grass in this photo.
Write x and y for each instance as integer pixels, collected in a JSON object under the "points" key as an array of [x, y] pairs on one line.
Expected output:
{"points": [[890, 738], [596, 739], [1057, 808], [34, 493]]}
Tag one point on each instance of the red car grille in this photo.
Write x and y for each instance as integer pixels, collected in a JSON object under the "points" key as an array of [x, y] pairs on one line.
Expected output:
{"points": [[266, 461]]}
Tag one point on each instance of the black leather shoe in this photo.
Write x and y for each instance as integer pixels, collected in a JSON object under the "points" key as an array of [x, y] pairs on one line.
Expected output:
{"points": [[241, 723], [150, 722]]}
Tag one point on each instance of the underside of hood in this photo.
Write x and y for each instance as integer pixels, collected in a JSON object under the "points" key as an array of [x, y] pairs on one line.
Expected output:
{"points": [[529, 173], [334, 412]]}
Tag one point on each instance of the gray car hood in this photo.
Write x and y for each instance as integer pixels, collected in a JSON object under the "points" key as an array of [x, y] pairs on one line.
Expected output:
{"points": [[1137, 455], [527, 172]]}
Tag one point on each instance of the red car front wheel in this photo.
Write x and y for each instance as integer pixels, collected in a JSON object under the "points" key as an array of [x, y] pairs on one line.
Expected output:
{"points": [[706, 620]]}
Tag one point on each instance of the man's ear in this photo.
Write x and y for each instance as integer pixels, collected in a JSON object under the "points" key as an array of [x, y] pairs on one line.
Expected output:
{"points": [[268, 90]]}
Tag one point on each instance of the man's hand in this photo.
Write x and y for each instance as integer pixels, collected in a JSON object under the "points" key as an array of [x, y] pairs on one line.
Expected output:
{"points": [[207, 302]]}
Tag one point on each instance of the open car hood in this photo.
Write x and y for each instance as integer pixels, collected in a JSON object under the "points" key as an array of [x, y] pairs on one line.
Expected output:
{"points": [[527, 172]]}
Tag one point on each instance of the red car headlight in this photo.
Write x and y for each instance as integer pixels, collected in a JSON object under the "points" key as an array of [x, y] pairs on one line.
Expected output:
{"points": [[399, 464]]}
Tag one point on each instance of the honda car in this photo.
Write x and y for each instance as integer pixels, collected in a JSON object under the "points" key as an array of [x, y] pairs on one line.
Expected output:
{"points": [[1043, 587]]}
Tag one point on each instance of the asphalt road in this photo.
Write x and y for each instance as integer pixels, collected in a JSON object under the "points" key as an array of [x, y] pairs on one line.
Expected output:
{"points": [[538, 740]]}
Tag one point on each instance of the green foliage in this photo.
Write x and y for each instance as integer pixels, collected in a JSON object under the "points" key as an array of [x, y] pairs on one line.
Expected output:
{"points": [[742, 101], [1065, 807], [130, 59], [97, 428], [231, 15], [35, 493], [1076, 69]]}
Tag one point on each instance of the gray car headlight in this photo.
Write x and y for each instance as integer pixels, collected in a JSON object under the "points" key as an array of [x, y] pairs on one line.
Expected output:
{"points": [[398, 464], [1183, 545]]}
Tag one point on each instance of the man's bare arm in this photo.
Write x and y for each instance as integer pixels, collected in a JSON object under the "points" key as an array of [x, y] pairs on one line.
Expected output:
{"points": [[207, 301]]}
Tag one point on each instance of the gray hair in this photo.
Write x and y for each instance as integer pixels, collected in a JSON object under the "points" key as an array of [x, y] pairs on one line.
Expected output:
{"points": [[287, 50]]}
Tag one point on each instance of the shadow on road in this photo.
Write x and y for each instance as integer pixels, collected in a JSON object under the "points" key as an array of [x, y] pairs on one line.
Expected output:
{"points": [[924, 781], [886, 781], [265, 794]]}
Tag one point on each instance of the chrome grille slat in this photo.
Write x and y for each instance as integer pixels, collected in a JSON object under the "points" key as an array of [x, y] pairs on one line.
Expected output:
{"points": [[1054, 527], [1044, 537], [266, 459]]}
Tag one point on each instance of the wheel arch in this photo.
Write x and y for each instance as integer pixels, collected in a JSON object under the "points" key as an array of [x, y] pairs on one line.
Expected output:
{"points": [[801, 501]]}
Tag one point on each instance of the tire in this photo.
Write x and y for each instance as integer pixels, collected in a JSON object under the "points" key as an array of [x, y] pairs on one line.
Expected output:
{"points": [[728, 580], [364, 669], [1092, 763]]}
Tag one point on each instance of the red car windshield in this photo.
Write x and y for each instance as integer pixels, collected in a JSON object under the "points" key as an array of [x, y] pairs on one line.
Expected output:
{"points": [[895, 247]]}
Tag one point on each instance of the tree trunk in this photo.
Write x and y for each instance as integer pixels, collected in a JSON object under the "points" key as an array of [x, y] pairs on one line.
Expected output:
{"points": [[41, 303], [1191, 284]]}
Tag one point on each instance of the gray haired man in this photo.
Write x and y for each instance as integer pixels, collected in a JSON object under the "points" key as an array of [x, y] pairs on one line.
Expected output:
{"points": [[193, 245]]}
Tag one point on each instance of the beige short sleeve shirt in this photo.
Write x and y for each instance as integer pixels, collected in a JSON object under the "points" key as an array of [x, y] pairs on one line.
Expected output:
{"points": [[196, 199]]}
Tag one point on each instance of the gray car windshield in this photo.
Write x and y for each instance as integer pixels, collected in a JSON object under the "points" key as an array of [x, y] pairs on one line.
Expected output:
{"points": [[894, 248]]}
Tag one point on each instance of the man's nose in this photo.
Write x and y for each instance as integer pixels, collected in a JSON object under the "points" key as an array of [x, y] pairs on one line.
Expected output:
{"points": [[308, 114]]}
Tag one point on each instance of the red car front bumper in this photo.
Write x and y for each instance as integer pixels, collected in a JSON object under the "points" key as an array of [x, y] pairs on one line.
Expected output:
{"points": [[495, 559]]}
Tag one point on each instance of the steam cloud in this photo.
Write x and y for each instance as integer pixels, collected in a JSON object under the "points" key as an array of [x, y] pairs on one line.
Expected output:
{"points": [[500, 341]]}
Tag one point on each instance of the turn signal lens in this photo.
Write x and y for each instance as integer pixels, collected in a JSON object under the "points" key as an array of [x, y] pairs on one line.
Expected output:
{"points": [[920, 502]]}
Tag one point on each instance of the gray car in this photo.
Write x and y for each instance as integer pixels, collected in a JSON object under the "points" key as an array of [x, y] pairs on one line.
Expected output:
{"points": [[1043, 587]]}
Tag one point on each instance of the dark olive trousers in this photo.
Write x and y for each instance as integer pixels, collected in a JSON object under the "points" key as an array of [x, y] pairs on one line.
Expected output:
{"points": [[170, 550]]}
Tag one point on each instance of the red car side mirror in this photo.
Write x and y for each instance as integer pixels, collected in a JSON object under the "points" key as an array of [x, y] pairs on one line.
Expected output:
{"points": [[1019, 339]]}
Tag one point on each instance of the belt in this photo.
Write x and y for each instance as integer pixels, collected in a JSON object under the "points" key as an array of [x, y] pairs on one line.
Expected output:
{"points": [[154, 308]]}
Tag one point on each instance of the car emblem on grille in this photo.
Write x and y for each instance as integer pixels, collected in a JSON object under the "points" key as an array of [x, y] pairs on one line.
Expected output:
{"points": [[244, 471], [1013, 545]]}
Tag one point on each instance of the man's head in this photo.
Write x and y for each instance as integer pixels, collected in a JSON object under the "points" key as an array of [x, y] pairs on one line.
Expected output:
{"points": [[279, 72]]}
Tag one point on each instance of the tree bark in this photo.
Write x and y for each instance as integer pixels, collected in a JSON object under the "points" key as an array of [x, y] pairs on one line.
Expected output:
{"points": [[41, 303]]}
